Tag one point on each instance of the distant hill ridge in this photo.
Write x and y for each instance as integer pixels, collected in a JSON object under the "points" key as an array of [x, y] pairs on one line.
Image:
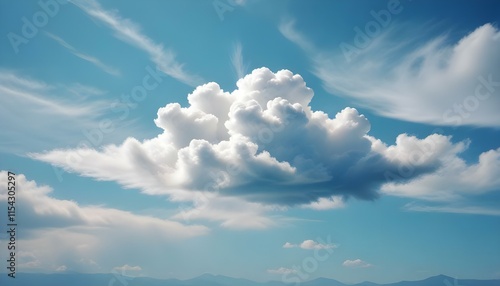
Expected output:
{"points": [[79, 279]]}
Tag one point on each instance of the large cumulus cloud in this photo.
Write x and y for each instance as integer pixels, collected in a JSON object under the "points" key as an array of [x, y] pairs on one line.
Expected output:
{"points": [[261, 143], [261, 148]]}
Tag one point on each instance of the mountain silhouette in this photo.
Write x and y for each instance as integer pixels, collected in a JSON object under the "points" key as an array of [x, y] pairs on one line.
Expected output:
{"points": [[80, 279]]}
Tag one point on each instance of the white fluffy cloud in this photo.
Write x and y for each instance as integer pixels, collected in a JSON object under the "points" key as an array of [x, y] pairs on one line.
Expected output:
{"points": [[62, 268], [124, 268], [74, 235], [457, 181], [456, 83], [259, 147], [356, 263], [241, 146], [282, 271], [310, 244], [333, 202]]}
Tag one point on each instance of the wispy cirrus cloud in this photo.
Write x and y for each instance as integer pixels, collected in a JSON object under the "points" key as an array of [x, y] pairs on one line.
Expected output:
{"points": [[34, 92], [237, 60], [50, 114], [428, 80], [288, 30], [458, 209], [130, 32], [91, 59]]}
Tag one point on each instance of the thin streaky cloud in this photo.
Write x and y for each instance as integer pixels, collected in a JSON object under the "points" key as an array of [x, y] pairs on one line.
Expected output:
{"points": [[8, 77], [129, 32], [400, 80], [51, 114], [287, 29], [53, 106], [33, 93], [95, 61], [82, 90], [472, 210], [237, 61]]}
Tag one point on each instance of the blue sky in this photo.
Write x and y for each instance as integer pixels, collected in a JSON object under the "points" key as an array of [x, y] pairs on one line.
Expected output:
{"points": [[269, 140]]}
